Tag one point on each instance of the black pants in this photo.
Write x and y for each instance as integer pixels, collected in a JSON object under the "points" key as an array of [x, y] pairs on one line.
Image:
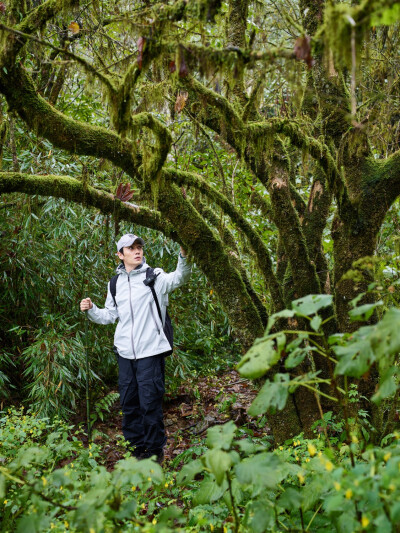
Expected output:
{"points": [[141, 388]]}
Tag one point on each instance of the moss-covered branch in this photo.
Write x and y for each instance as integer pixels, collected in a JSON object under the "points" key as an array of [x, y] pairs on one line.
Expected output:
{"points": [[302, 271], [76, 191], [380, 185], [78, 137], [233, 254], [216, 112], [34, 21], [210, 255], [299, 138], [256, 242], [106, 80]]}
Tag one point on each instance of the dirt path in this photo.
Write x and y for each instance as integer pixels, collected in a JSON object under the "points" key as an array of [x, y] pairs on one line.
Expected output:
{"points": [[188, 415]]}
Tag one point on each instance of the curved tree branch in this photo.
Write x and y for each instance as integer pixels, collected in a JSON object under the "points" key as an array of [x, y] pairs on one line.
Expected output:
{"points": [[303, 272], [258, 245], [76, 191]]}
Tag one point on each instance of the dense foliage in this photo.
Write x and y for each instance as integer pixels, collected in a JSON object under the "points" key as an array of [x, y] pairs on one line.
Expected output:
{"points": [[264, 138], [232, 481]]}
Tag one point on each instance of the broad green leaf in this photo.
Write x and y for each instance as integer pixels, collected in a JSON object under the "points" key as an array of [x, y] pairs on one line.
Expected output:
{"points": [[385, 335], [295, 357], [28, 524], [311, 304], [219, 462], [387, 385], [355, 358], [347, 522], [272, 396], [395, 512], [127, 510], [259, 359], [262, 516], [291, 499], [364, 311], [316, 322], [264, 470], [286, 313], [189, 471], [209, 491], [249, 447], [171, 513], [221, 437]]}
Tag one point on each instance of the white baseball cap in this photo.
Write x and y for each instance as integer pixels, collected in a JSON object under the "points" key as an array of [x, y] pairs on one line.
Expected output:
{"points": [[127, 240]]}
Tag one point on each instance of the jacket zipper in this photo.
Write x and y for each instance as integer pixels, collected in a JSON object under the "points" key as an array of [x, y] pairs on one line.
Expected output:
{"points": [[130, 304], [154, 318]]}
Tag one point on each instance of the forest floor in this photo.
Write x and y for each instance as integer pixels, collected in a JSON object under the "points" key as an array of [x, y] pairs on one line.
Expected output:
{"points": [[188, 413]]}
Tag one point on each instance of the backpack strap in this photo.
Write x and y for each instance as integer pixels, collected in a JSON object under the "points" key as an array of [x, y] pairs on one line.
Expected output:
{"points": [[113, 288], [150, 279]]}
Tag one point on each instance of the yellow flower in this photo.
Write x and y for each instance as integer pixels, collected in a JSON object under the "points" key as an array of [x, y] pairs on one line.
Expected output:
{"points": [[52, 526], [72, 465], [66, 524], [307, 460], [211, 527], [312, 450], [149, 479], [364, 521], [152, 471], [166, 485], [133, 488], [354, 439], [281, 448], [329, 466], [143, 506], [61, 488], [387, 456], [348, 494], [91, 530], [225, 529], [154, 521], [297, 459], [44, 480], [5, 502], [337, 485], [301, 478]]}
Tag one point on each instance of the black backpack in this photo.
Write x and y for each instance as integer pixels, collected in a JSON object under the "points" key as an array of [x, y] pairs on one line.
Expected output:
{"points": [[151, 277]]}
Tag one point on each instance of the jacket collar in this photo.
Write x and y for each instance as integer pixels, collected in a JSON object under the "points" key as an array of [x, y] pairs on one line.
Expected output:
{"points": [[138, 270]]}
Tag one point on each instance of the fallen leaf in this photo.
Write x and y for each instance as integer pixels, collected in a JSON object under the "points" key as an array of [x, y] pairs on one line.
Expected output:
{"points": [[181, 100], [124, 192], [74, 28]]}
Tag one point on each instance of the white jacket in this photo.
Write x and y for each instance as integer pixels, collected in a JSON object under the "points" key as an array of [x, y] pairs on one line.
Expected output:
{"points": [[139, 332]]}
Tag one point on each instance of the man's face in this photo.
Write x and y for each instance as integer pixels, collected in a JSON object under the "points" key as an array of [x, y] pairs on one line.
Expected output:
{"points": [[132, 256]]}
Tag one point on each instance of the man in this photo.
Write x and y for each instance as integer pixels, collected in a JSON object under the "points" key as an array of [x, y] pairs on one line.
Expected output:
{"points": [[140, 343]]}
